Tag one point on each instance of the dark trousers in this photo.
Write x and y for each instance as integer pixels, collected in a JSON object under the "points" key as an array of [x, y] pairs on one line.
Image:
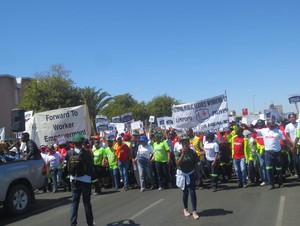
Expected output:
{"points": [[274, 159], [162, 170], [81, 188]]}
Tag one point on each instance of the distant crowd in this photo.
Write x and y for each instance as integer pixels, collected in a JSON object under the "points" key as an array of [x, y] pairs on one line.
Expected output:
{"points": [[261, 154]]}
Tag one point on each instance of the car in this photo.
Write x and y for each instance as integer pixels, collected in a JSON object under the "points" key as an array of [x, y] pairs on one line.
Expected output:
{"points": [[19, 179]]}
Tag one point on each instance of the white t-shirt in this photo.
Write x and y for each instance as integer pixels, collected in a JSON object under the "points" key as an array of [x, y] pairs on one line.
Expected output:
{"points": [[177, 147], [292, 130], [271, 138], [54, 160], [210, 150], [144, 151]]}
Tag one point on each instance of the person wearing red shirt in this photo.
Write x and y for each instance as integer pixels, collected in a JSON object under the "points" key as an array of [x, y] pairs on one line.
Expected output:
{"points": [[240, 153], [123, 157]]}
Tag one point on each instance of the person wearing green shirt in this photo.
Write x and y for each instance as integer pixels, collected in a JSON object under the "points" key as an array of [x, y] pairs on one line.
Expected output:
{"points": [[99, 169], [110, 159], [161, 160]]}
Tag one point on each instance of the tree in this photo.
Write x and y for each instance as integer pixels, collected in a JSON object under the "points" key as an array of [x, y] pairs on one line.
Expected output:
{"points": [[161, 106], [50, 90], [96, 100], [122, 104]]}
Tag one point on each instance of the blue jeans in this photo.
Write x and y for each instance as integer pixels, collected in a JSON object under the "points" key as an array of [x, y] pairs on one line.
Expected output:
{"points": [[79, 188], [57, 173], [114, 173], [144, 169], [240, 170], [123, 167], [262, 163], [185, 193]]}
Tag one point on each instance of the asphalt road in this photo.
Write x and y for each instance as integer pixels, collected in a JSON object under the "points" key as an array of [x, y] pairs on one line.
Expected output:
{"points": [[229, 206]]}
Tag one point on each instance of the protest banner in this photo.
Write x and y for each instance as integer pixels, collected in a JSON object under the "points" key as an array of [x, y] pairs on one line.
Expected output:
{"points": [[209, 115], [101, 123], [46, 127], [165, 122]]}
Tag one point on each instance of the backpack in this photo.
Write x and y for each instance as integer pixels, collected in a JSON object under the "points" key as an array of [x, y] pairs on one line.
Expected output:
{"points": [[76, 165]]}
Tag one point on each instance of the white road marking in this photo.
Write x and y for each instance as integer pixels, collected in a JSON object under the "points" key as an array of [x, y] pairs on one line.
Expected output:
{"points": [[279, 220], [145, 209]]}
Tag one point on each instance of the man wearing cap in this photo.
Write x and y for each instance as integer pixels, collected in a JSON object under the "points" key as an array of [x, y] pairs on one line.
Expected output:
{"points": [[161, 159], [99, 169], [273, 156], [211, 148], [110, 159], [144, 154], [124, 156], [82, 184]]}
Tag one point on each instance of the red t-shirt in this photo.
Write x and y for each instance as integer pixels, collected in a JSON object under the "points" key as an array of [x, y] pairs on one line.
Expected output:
{"points": [[122, 152], [259, 138], [238, 148]]}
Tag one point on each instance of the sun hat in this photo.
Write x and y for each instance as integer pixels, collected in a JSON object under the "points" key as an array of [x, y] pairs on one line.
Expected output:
{"points": [[144, 139]]}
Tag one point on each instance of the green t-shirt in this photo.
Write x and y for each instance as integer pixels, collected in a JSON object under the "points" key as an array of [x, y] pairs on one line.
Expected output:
{"points": [[189, 160], [160, 151], [98, 156], [111, 156]]}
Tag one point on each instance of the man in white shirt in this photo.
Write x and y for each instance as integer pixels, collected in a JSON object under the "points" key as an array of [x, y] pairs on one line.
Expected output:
{"points": [[271, 136], [291, 132]]}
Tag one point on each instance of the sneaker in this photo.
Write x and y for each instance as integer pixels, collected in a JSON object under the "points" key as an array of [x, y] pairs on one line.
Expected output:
{"points": [[186, 213], [142, 189], [245, 186], [263, 184], [125, 188], [195, 215], [160, 188], [280, 185]]}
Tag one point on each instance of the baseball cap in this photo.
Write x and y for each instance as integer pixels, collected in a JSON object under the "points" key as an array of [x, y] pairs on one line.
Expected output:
{"points": [[78, 138]]}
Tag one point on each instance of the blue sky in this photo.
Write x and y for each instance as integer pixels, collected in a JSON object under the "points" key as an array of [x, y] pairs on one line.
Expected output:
{"points": [[190, 50]]}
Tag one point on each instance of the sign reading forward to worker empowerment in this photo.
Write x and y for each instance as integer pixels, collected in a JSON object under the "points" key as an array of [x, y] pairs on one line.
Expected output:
{"points": [[210, 115], [46, 127]]}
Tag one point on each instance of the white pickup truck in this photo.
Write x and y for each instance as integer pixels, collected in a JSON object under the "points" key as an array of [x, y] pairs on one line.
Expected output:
{"points": [[18, 180]]}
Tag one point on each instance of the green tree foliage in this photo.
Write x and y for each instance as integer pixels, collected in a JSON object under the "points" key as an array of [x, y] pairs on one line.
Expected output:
{"points": [[50, 90], [125, 103], [96, 101], [161, 106]]}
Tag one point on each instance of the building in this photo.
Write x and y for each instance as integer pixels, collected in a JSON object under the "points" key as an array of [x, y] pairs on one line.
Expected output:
{"points": [[279, 108], [11, 92]]}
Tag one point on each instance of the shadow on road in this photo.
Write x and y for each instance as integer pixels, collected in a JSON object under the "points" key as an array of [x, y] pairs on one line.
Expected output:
{"points": [[123, 222], [215, 212], [40, 205]]}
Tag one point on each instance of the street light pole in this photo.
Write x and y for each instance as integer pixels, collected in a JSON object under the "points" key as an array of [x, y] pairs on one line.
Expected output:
{"points": [[253, 104]]}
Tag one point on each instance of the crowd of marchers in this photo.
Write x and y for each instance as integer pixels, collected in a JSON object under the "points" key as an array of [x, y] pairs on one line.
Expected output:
{"points": [[264, 154]]}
